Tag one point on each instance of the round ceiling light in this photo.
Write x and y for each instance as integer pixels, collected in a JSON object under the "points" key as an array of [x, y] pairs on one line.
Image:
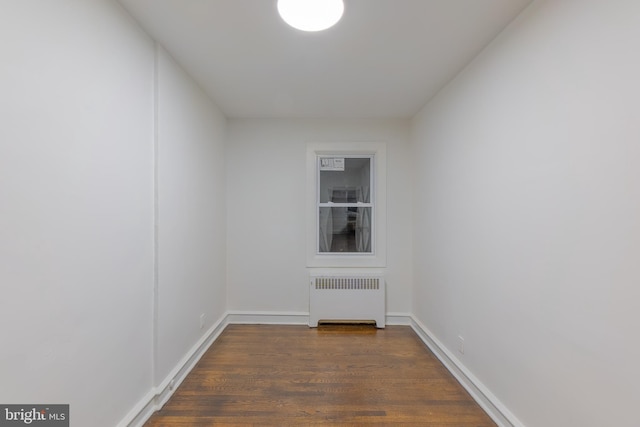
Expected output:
{"points": [[311, 15]]}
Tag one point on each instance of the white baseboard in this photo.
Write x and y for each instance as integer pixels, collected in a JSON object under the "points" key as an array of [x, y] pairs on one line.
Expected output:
{"points": [[158, 396], [480, 393], [141, 412], [268, 317], [296, 318], [402, 319]]}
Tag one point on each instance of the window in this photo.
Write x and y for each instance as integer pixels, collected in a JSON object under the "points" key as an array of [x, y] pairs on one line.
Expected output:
{"points": [[346, 205]]}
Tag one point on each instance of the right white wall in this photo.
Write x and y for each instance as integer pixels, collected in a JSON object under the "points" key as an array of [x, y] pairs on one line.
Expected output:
{"points": [[527, 215]]}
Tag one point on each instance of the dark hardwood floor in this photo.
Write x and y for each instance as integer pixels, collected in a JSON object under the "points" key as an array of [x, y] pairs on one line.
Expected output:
{"points": [[335, 375]]}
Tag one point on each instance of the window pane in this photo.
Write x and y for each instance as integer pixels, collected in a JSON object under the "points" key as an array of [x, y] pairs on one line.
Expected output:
{"points": [[345, 180], [345, 230]]}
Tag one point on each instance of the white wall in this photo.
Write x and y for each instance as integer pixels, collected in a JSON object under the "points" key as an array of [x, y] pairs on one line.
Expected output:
{"points": [[527, 207], [191, 214], [76, 207], [83, 320], [266, 217]]}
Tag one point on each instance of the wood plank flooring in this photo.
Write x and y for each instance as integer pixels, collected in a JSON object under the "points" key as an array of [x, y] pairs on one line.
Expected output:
{"points": [[335, 375]]}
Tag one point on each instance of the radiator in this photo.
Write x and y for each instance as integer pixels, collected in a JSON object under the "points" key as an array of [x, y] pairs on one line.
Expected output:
{"points": [[347, 298]]}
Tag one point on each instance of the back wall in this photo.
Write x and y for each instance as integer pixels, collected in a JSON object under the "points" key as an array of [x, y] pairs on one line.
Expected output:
{"points": [[266, 200]]}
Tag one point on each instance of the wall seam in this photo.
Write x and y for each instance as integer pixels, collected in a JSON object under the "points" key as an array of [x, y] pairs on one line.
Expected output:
{"points": [[156, 211]]}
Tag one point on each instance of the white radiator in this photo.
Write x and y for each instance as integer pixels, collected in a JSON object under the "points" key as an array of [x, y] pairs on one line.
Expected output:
{"points": [[347, 298]]}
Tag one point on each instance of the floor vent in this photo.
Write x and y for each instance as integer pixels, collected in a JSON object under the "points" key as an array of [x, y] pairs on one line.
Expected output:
{"points": [[347, 298]]}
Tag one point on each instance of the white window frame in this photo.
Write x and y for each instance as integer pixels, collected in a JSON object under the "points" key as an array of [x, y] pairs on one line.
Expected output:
{"points": [[378, 256]]}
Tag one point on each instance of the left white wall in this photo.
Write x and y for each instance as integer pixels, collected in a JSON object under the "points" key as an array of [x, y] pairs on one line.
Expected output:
{"points": [[112, 211], [76, 207], [191, 215]]}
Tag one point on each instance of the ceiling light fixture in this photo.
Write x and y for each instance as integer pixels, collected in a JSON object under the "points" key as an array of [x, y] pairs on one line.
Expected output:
{"points": [[311, 15]]}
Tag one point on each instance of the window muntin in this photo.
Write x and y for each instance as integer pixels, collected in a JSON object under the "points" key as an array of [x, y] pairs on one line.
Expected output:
{"points": [[345, 208]]}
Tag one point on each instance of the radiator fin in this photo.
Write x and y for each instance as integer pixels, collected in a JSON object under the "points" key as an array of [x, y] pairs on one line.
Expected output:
{"points": [[337, 283]]}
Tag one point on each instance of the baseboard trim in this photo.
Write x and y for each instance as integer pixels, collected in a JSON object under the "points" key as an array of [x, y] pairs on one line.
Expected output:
{"points": [[159, 395], [141, 412], [480, 393], [400, 319], [182, 369], [268, 317], [296, 318]]}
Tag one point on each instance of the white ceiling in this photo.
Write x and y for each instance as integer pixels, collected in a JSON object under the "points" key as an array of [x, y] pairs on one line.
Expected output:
{"points": [[384, 59]]}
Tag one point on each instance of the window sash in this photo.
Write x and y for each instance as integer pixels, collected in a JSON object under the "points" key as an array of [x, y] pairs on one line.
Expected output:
{"points": [[370, 204]]}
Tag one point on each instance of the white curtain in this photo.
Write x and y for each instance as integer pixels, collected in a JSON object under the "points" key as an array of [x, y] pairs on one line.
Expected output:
{"points": [[363, 222], [325, 217]]}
